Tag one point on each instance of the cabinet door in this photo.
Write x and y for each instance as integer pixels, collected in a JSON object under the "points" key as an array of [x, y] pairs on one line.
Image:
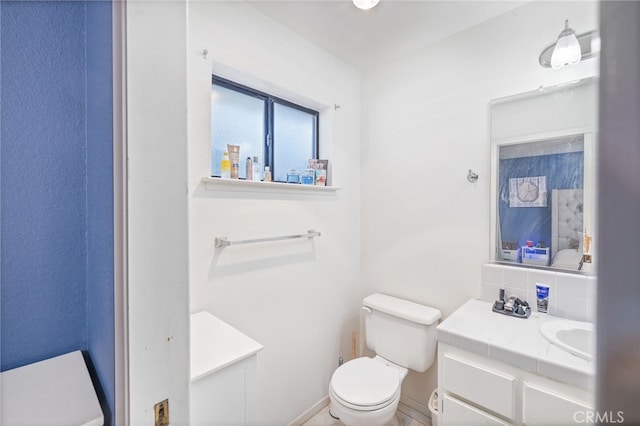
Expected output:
{"points": [[545, 407], [455, 412], [487, 388], [219, 399]]}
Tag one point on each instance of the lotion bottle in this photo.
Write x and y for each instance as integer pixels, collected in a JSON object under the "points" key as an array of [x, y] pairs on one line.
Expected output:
{"points": [[267, 174]]}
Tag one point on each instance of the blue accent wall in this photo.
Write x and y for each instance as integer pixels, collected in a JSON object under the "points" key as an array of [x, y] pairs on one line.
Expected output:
{"points": [[56, 192], [43, 181], [563, 171]]}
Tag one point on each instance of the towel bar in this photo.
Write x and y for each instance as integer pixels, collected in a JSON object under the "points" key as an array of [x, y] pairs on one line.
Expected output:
{"points": [[224, 242]]}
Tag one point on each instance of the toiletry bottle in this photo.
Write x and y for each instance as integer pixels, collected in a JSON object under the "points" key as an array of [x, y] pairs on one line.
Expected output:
{"points": [[257, 175], [542, 293], [308, 177], [321, 175], [267, 174], [225, 166], [249, 169], [293, 176], [234, 157]]}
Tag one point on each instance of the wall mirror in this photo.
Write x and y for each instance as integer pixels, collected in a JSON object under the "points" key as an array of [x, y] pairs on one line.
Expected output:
{"points": [[543, 176]]}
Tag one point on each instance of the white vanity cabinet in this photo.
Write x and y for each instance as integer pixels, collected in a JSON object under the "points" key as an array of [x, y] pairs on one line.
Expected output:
{"points": [[224, 397], [498, 370], [479, 390], [223, 373]]}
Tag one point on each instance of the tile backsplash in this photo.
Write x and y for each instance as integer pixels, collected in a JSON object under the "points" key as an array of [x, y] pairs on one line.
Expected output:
{"points": [[571, 296]]}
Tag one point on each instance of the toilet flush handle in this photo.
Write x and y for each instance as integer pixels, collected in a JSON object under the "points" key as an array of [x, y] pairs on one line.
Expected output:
{"points": [[367, 310]]}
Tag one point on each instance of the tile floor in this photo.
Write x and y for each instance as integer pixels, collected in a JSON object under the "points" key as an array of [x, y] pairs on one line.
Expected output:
{"points": [[324, 419]]}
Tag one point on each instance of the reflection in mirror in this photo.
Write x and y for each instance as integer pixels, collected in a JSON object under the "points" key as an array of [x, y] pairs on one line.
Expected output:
{"points": [[540, 203], [543, 177]]}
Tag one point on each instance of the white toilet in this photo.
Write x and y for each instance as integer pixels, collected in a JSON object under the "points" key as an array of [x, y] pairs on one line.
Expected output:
{"points": [[366, 391]]}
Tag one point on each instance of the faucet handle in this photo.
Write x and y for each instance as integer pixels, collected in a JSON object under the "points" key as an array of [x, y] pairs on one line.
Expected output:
{"points": [[510, 304]]}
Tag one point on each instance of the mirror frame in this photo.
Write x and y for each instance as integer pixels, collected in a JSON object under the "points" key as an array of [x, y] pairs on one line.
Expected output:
{"points": [[589, 184]]}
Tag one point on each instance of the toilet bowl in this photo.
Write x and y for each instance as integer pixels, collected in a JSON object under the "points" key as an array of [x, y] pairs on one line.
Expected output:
{"points": [[366, 391]]}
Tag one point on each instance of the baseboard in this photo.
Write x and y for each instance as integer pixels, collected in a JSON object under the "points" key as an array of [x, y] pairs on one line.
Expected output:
{"points": [[415, 410], [408, 406], [315, 409]]}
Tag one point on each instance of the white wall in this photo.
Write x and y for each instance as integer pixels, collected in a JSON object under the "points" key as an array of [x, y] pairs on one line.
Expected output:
{"points": [[156, 101], [425, 228], [300, 299]]}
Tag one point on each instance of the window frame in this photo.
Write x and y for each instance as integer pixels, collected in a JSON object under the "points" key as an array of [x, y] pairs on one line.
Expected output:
{"points": [[269, 125]]}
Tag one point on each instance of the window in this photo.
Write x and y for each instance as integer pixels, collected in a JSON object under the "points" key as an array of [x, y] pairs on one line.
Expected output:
{"points": [[283, 135]]}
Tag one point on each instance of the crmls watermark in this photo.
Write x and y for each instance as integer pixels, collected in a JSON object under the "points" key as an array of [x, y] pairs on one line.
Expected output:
{"points": [[593, 417]]}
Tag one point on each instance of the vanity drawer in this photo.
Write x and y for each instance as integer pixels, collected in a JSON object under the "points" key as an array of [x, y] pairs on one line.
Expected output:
{"points": [[545, 407], [456, 412], [485, 387]]}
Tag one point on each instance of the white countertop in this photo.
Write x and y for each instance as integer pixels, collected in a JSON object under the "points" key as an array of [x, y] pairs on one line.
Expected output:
{"points": [[216, 345], [476, 328], [56, 391]]}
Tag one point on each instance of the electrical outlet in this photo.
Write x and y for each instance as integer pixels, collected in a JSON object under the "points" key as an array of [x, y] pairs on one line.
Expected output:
{"points": [[162, 413]]}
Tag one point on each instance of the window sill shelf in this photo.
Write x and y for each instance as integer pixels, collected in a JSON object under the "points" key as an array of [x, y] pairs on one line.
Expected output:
{"points": [[238, 185]]}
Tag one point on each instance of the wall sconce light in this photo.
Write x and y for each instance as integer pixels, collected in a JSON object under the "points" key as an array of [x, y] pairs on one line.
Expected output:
{"points": [[570, 48], [365, 4]]}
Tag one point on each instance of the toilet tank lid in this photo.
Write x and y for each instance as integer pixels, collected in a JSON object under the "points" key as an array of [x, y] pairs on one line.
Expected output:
{"points": [[401, 308]]}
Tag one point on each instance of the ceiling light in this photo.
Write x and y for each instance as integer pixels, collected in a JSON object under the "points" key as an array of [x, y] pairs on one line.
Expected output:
{"points": [[365, 4], [567, 50], [588, 43]]}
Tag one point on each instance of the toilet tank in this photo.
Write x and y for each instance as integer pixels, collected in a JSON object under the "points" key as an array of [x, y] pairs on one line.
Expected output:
{"points": [[401, 331]]}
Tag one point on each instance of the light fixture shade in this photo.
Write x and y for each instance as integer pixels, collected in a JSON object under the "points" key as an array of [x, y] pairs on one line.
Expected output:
{"points": [[567, 50], [365, 4]]}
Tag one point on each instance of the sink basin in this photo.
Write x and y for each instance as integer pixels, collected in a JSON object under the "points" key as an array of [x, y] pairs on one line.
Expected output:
{"points": [[575, 337]]}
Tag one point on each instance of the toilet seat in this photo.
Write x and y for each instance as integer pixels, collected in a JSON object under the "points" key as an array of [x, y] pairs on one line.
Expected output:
{"points": [[364, 408], [365, 384]]}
